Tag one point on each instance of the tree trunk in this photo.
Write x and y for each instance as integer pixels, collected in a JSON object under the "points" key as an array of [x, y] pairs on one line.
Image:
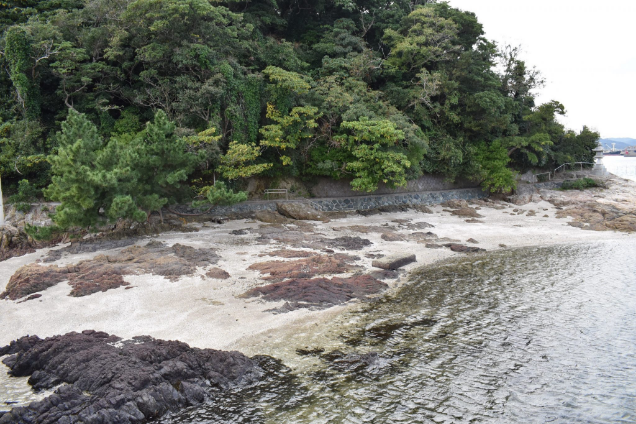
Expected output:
{"points": [[1, 205]]}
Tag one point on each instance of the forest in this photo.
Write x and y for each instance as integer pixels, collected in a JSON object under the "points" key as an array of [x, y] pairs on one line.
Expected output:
{"points": [[117, 108]]}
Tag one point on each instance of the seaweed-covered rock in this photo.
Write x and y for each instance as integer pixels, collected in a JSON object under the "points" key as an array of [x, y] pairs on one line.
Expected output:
{"points": [[306, 267], [318, 292], [104, 273], [107, 380]]}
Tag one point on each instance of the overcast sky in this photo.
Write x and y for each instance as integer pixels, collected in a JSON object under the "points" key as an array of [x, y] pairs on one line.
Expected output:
{"points": [[586, 51]]}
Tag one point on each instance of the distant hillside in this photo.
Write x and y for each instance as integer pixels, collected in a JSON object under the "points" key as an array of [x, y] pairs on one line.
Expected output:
{"points": [[621, 143]]}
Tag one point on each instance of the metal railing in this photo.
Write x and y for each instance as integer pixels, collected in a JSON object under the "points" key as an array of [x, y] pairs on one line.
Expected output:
{"points": [[562, 168], [277, 191]]}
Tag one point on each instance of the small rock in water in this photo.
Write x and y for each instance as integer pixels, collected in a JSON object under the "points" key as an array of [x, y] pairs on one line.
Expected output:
{"points": [[394, 262], [464, 249], [472, 240]]}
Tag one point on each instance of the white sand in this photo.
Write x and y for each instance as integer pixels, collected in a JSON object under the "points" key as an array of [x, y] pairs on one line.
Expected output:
{"points": [[207, 313]]}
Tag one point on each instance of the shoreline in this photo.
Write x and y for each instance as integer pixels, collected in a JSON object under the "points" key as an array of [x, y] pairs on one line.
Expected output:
{"points": [[209, 313]]}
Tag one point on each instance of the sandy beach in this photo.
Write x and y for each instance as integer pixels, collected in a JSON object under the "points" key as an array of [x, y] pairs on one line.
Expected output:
{"points": [[212, 313]]}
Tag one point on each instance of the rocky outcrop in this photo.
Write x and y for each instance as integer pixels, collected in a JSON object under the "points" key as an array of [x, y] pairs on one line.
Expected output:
{"points": [[394, 262], [285, 253], [14, 241], [307, 239], [107, 380], [300, 211], [467, 212], [463, 248], [318, 293], [89, 246], [306, 267], [598, 217], [271, 217], [106, 272]]}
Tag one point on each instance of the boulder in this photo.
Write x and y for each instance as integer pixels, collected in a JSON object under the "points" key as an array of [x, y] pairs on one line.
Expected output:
{"points": [[467, 212], [300, 211], [271, 217], [394, 261], [463, 249], [217, 274]]}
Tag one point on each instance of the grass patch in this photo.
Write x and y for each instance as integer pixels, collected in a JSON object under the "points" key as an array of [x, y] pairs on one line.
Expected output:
{"points": [[581, 184]]}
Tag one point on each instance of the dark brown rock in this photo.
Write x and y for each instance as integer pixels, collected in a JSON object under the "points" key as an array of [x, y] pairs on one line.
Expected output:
{"points": [[106, 272], [306, 267], [466, 212], [318, 292], [217, 274], [464, 249], [108, 380], [286, 253]]}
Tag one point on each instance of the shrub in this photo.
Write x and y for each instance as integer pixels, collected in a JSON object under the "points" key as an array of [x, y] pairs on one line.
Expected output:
{"points": [[23, 207], [580, 184], [42, 233], [26, 193]]}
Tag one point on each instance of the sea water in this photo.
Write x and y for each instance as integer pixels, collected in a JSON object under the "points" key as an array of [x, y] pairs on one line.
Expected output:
{"points": [[621, 166], [532, 335]]}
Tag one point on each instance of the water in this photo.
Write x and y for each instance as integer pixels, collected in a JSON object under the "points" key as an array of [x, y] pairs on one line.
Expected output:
{"points": [[621, 166], [529, 336]]}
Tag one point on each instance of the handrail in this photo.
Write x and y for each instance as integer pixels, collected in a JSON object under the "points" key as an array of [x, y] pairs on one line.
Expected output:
{"points": [[277, 191], [550, 173]]}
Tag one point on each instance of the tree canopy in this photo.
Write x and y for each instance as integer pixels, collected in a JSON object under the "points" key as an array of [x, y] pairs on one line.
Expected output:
{"points": [[368, 90]]}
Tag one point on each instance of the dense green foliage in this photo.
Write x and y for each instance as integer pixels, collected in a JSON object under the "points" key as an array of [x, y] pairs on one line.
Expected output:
{"points": [[368, 90], [220, 194], [128, 176], [580, 184]]}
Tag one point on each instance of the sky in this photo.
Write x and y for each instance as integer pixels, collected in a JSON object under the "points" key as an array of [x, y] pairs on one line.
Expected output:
{"points": [[585, 50]]}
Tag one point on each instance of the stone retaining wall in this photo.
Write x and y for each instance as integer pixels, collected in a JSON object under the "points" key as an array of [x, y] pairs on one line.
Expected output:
{"points": [[352, 203], [378, 201]]}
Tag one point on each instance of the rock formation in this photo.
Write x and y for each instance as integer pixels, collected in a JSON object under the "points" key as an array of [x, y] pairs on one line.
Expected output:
{"points": [[102, 379]]}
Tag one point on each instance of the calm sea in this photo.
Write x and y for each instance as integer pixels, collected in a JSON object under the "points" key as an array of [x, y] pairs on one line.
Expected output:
{"points": [[533, 335], [621, 166]]}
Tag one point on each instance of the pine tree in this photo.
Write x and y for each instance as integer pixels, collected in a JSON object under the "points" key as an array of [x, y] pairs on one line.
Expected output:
{"points": [[151, 169], [75, 181]]}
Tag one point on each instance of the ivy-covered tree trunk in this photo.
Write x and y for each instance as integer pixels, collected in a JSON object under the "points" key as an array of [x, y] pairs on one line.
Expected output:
{"points": [[1, 205], [18, 54]]}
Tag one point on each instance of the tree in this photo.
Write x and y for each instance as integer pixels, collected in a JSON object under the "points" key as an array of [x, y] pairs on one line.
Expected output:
{"points": [[289, 130], [239, 161], [152, 168], [370, 144], [1, 204], [493, 170], [75, 182], [220, 194]]}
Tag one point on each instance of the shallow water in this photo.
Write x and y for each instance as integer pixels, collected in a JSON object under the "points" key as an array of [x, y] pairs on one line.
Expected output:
{"points": [[531, 335], [621, 166]]}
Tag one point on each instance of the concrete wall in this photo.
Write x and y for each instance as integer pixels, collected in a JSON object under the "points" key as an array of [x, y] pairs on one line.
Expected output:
{"points": [[378, 201], [349, 203], [326, 187]]}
